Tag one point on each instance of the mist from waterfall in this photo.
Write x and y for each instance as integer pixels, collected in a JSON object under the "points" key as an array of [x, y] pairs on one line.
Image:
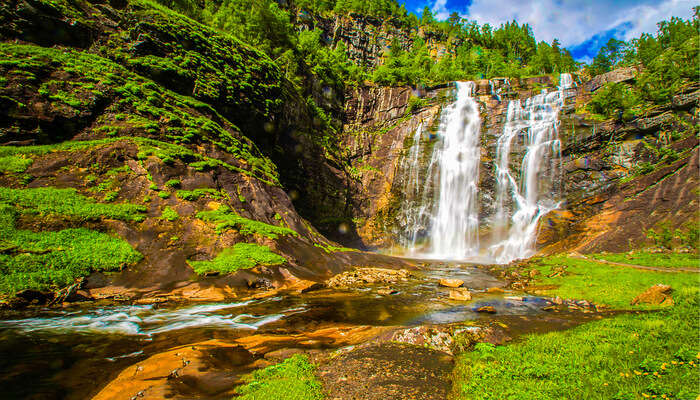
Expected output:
{"points": [[440, 213], [532, 191]]}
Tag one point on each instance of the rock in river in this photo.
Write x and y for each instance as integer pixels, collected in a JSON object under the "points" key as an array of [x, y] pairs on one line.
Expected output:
{"points": [[453, 283]]}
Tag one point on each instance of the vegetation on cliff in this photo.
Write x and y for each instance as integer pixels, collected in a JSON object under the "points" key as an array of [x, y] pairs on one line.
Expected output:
{"points": [[668, 63]]}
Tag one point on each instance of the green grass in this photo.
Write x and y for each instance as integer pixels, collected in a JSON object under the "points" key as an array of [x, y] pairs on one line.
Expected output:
{"points": [[630, 356], [601, 283], [50, 260], [614, 358], [228, 219], [292, 379], [67, 203], [14, 163], [668, 260], [240, 256]]}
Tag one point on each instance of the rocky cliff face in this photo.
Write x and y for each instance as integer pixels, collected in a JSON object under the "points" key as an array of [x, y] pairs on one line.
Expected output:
{"points": [[366, 38], [129, 104], [594, 173]]}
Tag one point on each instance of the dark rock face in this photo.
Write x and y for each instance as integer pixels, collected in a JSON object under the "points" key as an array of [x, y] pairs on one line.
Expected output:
{"points": [[615, 76]]}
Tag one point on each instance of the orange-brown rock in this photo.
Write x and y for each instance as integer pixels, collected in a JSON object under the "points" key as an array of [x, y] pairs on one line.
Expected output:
{"points": [[486, 309], [207, 368], [657, 294], [461, 294], [453, 283]]}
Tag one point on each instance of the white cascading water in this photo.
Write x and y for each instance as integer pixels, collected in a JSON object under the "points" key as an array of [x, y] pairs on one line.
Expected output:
{"points": [[445, 207], [533, 190], [454, 229], [412, 192]]}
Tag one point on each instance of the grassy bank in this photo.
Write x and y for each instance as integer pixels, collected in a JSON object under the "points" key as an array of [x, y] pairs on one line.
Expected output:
{"points": [[292, 379], [652, 354]]}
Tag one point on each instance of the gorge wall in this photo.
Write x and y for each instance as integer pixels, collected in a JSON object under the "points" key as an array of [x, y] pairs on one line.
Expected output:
{"points": [[599, 185]]}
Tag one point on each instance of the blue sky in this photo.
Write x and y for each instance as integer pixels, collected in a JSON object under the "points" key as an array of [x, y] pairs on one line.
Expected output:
{"points": [[582, 26]]}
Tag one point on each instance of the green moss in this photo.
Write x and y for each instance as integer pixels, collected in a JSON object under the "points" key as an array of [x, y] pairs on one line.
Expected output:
{"points": [[292, 379], [68, 203], [173, 183], [332, 249], [163, 194], [169, 214], [49, 260], [15, 163], [240, 256], [143, 107], [228, 219], [196, 194]]}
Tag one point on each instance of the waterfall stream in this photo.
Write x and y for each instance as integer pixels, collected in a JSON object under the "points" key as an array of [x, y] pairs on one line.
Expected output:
{"points": [[440, 213]]}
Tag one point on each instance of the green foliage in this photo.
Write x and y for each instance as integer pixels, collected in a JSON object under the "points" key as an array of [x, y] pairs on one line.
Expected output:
{"points": [[15, 163], [68, 203], [240, 256], [414, 104], [169, 214], [670, 59], [613, 100], [173, 183], [293, 379], [50, 260], [229, 219], [163, 194]]}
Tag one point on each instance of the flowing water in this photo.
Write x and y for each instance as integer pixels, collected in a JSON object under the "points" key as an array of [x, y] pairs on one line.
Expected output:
{"points": [[443, 222], [68, 353], [533, 189]]}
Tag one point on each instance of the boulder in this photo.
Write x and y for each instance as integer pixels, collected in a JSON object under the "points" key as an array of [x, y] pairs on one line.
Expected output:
{"points": [[614, 76], [367, 276], [453, 283], [461, 294], [657, 294]]}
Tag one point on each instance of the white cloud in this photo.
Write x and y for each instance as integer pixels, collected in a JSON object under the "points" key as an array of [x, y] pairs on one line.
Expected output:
{"points": [[572, 21], [440, 10]]}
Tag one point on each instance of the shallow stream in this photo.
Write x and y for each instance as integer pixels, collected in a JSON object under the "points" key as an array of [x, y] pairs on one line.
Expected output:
{"points": [[70, 353]]}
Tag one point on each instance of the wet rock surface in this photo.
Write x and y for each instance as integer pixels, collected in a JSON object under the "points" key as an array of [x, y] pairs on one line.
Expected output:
{"points": [[367, 276], [388, 371]]}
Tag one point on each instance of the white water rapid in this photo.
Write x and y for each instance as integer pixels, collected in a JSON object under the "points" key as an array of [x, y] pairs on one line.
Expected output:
{"points": [[441, 211]]}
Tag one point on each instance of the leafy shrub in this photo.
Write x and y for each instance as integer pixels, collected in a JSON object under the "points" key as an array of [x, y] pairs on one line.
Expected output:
{"points": [[613, 100]]}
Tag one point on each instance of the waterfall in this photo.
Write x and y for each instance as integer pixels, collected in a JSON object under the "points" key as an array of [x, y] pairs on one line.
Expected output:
{"points": [[445, 207], [455, 225], [533, 191], [411, 213], [441, 201]]}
